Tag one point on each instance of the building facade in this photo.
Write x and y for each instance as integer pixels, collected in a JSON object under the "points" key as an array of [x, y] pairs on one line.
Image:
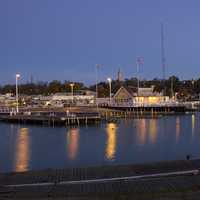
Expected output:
{"points": [[142, 96]]}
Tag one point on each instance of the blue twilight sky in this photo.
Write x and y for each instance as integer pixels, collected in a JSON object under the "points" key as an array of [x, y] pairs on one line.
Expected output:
{"points": [[64, 39]]}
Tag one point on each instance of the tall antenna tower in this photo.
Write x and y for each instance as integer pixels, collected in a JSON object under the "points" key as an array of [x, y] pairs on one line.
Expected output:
{"points": [[163, 59], [31, 79]]}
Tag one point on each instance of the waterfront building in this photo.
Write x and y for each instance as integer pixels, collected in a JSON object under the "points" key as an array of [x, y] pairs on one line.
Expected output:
{"points": [[67, 98], [140, 96], [7, 99], [82, 97]]}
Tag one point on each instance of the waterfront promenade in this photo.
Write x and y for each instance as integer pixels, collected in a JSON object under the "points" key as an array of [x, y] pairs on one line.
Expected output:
{"points": [[164, 180], [84, 115]]}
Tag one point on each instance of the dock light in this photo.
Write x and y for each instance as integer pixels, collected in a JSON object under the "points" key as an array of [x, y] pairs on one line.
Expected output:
{"points": [[109, 81], [17, 76]]}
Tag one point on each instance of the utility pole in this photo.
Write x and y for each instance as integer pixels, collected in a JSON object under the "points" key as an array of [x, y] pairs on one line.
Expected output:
{"points": [[97, 70], [139, 62], [172, 86], [31, 79], [163, 59]]}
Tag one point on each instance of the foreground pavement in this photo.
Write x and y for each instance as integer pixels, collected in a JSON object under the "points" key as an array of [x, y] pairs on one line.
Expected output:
{"points": [[164, 180]]}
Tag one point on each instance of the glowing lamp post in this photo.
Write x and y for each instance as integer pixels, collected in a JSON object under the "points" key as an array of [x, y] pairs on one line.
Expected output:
{"points": [[17, 76], [109, 82], [97, 69], [72, 91]]}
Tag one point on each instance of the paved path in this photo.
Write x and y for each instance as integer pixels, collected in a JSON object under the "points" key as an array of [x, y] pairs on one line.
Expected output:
{"points": [[105, 180], [132, 180]]}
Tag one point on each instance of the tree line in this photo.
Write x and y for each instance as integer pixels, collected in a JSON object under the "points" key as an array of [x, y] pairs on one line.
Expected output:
{"points": [[171, 86], [44, 88]]}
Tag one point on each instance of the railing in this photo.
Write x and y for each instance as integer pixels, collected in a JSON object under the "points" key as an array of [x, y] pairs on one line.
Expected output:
{"points": [[51, 114], [131, 104], [6, 110]]}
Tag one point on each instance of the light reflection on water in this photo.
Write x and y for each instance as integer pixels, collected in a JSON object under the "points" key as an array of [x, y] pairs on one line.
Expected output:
{"points": [[153, 130], [141, 126], [24, 147], [22, 150], [178, 128], [111, 141], [193, 125], [72, 143]]}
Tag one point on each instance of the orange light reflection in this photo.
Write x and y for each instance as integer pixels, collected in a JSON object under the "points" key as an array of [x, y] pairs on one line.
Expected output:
{"points": [[193, 124], [153, 130], [178, 128], [73, 143], [111, 141], [22, 150], [141, 131]]}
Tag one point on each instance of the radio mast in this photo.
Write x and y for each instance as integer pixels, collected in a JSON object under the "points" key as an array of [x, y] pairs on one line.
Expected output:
{"points": [[163, 59]]}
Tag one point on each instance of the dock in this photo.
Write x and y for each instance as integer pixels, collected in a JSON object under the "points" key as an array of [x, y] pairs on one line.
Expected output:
{"points": [[136, 181], [87, 115], [141, 111], [51, 118]]}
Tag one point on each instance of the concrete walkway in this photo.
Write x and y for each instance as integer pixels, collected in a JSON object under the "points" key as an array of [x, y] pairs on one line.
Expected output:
{"points": [[150, 181]]}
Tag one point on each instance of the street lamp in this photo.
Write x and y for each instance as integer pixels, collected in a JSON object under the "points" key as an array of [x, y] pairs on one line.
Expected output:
{"points": [[109, 81], [72, 91], [17, 76], [97, 70]]}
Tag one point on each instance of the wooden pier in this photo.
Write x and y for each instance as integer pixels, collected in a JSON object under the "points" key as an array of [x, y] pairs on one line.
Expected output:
{"points": [[140, 111], [51, 119], [87, 115]]}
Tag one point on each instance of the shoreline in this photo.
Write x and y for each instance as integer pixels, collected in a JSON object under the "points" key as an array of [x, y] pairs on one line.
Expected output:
{"points": [[62, 183]]}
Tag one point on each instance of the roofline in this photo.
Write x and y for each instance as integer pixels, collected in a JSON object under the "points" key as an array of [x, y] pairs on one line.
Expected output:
{"points": [[121, 89]]}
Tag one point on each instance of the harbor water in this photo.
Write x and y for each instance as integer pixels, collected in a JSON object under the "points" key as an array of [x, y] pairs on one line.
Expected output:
{"points": [[28, 147]]}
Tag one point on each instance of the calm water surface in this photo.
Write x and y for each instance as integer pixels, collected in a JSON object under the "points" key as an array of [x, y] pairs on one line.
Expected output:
{"points": [[24, 147]]}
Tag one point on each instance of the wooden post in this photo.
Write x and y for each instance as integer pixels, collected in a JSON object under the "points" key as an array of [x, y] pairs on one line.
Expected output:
{"points": [[53, 122], [77, 120], [68, 120]]}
